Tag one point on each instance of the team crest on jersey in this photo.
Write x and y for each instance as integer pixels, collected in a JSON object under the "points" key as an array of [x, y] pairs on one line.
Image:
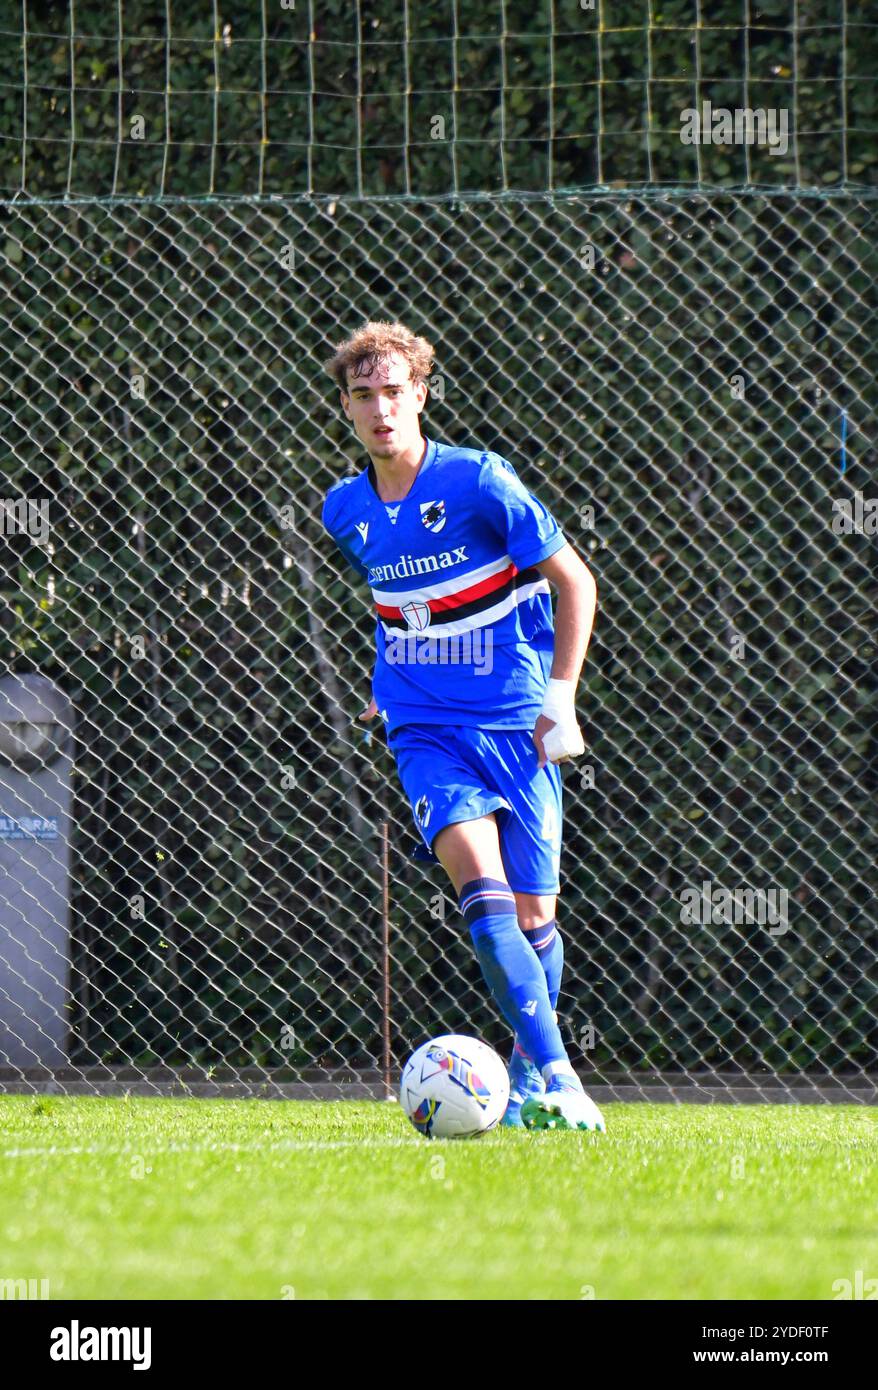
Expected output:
{"points": [[423, 811], [417, 615], [433, 515]]}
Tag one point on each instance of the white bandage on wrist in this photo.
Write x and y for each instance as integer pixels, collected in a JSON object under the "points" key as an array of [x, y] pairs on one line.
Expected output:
{"points": [[564, 740]]}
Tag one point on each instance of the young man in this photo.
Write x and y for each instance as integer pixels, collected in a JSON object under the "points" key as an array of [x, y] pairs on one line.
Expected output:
{"points": [[475, 688]]}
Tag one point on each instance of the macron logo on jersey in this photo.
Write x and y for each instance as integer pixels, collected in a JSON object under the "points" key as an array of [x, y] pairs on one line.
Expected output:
{"points": [[363, 528], [408, 565]]}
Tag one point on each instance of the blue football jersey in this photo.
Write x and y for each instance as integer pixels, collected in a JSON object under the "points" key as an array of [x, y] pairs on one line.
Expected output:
{"points": [[464, 631]]}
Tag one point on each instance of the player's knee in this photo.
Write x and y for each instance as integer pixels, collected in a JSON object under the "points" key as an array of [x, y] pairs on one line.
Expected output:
{"points": [[534, 911], [530, 923]]}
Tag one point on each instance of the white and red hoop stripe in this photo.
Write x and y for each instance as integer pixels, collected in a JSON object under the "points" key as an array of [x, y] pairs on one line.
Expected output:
{"points": [[445, 588], [485, 617]]}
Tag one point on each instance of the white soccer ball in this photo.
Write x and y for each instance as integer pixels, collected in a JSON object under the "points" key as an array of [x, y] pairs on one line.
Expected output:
{"points": [[454, 1087]]}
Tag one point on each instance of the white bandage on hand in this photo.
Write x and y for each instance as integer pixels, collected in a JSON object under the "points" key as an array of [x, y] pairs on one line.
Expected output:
{"points": [[564, 740]]}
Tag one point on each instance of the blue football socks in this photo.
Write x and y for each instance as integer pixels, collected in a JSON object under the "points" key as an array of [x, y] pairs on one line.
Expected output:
{"points": [[549, 946], [514, 973]]}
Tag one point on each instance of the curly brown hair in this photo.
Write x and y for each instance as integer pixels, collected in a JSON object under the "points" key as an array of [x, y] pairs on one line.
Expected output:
{"points": [[373, 343]]}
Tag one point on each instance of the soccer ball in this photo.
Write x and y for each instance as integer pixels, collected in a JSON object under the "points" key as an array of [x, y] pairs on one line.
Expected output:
{"points": [[454, 1087]]}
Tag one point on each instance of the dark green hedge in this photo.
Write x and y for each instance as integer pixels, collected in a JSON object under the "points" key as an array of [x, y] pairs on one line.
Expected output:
{"points": [[225, 113]]}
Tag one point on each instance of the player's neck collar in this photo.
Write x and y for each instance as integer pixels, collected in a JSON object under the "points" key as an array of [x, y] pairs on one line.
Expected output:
{"points": [[427, 458]]}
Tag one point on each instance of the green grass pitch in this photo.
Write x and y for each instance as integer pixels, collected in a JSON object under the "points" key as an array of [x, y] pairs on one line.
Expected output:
{"points": [[203, 1199]]}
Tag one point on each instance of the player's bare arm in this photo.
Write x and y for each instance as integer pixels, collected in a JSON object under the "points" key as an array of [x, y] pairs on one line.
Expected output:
{"points": [[575, 604]]}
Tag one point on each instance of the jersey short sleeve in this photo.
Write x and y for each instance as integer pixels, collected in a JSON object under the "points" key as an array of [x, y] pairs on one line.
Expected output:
{"points": [[332, 508], [530, 533]]}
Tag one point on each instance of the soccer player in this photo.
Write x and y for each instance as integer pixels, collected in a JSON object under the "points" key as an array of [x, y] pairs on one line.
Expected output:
{"points": [[475, 688]]}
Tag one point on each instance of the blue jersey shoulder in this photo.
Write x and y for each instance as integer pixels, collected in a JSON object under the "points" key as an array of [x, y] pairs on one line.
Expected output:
{"points": [[338, 497], [479, 464]]}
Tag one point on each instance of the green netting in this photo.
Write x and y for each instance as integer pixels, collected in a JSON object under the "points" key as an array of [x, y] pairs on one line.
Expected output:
{"points": [[351, 98]]}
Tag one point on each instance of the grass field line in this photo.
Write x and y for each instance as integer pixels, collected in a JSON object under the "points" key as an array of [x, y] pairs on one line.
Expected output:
{"points": [[279, 1145]]}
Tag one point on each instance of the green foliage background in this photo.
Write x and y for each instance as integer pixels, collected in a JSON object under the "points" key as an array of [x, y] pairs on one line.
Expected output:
{"points": [[236, 100], [211, 780]]}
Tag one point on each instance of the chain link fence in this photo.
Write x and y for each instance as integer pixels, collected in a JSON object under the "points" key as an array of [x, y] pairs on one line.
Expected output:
{"points": [[687, 381]]}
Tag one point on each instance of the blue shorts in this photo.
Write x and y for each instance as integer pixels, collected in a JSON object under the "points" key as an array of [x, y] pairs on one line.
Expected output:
{"points": [[458, 774]]}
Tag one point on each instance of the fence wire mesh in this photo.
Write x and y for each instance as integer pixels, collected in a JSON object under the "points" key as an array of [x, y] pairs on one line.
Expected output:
{"points": [[687, 381]]}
